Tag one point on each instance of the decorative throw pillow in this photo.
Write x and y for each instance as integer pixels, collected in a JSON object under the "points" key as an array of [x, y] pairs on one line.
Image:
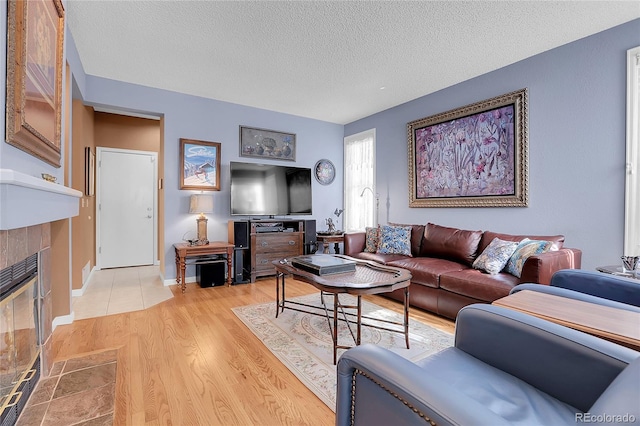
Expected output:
{"points": [[371, 239], [525, 249], [395, 240], [495, 256]]}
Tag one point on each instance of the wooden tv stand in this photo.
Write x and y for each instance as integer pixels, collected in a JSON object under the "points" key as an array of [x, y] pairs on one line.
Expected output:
{"points": [[273, 239]]}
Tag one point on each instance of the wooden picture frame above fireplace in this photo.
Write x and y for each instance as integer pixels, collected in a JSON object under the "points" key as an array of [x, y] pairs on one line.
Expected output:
{"points": [[35, 33]]}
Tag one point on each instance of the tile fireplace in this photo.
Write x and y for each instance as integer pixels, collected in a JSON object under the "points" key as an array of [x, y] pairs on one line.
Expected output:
{"points": [[25, 322], [28, 206]]}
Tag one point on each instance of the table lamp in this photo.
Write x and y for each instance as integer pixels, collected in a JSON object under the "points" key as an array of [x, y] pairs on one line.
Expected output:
{"points": [[201, 204]]}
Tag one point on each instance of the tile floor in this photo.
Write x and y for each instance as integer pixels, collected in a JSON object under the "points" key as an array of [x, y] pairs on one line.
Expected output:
{"points": [[118, 290], [79, 391]]}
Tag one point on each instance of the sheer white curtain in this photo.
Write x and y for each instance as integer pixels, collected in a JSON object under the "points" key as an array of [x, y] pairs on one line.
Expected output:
{"points": [[632, 184], [359, 181]]}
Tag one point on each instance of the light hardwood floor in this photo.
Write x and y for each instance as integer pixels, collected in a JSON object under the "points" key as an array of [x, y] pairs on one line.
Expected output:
{"points": [[191, 361]]}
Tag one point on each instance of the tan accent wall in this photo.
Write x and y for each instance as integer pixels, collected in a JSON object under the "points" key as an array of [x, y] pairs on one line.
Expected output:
{"points": [[58, 231], [122, 132], [60, 276], [161, 198], [82, 226], [142, 134]]}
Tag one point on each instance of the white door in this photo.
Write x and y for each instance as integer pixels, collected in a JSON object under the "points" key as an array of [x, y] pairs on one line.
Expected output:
{"points": [[126, 208]]}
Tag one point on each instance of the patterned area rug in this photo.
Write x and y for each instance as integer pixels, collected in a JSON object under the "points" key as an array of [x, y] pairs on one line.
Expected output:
{"points": [[302, 341]]}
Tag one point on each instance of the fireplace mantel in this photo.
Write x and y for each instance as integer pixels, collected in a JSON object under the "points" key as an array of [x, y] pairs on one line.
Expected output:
{"points": [[26, 200]]}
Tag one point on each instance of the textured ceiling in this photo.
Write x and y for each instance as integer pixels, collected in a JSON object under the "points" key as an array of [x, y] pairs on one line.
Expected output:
{"points": [[332, 61]]}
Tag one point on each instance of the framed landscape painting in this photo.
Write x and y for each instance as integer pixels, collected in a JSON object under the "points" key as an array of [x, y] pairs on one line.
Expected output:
{"points": [[473, 156], [199, 165]]}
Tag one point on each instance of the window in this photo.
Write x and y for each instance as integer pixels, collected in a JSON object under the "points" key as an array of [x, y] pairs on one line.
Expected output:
{"points": [[632, 178], [360, 196]]}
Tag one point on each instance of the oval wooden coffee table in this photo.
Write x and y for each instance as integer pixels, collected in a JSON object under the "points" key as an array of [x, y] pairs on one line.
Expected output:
{"points": [[368, 278]]}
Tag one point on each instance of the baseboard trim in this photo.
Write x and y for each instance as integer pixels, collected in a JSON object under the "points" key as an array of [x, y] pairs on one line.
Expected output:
{"points": [[80, 291], [172, 281], [62, 320]]}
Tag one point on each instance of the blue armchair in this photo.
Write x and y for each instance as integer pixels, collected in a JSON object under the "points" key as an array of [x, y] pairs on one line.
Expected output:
{"points": [[505, 368], [594, 287]]}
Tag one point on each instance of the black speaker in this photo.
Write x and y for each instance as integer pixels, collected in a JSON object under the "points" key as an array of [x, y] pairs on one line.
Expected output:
{"points": [[211, 274], [310, 242], [240, 264], [239, 234]]}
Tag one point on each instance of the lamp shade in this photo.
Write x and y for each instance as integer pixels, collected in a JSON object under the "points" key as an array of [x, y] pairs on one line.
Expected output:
{"points": [[201, 204]]}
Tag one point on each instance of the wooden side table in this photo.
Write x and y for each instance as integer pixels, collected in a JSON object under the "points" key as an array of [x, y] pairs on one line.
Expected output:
{"points": [[617, 270], [328, 239], [184, 250], [617, 325]]}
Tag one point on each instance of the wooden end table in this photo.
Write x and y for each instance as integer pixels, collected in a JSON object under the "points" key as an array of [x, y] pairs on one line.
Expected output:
{"points": [[617, 325], [328, 239], [368, 278], [185, 250]]}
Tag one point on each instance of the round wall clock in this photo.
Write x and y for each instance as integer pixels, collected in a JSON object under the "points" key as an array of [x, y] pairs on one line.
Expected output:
{"points": [[325, 171]]}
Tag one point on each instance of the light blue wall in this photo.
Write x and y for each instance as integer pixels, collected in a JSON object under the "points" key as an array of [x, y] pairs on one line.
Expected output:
{"points": [[210, 120], [194, 118], [577, 108]]}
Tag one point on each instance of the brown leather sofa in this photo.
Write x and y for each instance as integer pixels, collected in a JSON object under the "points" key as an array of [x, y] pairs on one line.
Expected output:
{"points": [[443, 280]]}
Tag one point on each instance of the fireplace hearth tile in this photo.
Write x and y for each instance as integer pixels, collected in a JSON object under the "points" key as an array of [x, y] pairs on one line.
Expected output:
{"points": [[80, 391]]}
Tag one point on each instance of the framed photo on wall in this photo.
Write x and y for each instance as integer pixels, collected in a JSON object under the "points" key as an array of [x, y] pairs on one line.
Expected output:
{"points": [[199, 165], [35, 31], [265, 143], [473, 156]]}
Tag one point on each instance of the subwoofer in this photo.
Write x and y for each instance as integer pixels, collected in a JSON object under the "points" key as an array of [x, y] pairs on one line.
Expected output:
{"points": [[240, 264]]}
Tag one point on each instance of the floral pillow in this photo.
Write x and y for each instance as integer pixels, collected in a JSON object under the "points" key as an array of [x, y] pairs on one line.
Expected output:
{"points": [[395, 240], [371, 239], [495, 256], [525, 249]]}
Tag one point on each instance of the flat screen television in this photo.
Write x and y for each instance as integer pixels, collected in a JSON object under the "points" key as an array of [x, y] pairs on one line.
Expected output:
{"points": [[270, 190]]}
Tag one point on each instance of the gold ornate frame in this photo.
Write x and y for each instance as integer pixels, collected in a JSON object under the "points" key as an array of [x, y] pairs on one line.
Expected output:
{"points": [[473, 156], [35, 34]]}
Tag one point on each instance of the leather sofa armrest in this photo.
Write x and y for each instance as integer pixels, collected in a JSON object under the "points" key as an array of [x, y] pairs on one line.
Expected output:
{"points": [[540, 268], [392, 390], [354, 243], [571, 366]]}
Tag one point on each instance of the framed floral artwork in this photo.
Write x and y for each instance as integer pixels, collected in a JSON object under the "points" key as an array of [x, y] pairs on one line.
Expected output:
{"points": [[473, 156], [325, 172]]}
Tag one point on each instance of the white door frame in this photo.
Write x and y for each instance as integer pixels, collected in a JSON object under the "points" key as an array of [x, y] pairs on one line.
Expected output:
{"points": [[154, 156]]}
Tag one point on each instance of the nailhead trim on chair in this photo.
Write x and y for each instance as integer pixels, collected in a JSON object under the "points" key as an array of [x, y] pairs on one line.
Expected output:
{"points": [[353, 397]]}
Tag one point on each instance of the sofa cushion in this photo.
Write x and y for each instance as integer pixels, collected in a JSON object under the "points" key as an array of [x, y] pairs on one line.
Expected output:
{"points": [[426, 270], [523, 251], [495, 256], [372, 237], [395, 240], [450, 243], [417, 231], [488, 236], [478, 285]]}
